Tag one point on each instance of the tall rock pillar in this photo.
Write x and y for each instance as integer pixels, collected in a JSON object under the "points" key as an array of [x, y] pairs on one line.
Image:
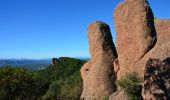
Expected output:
{"points": [[135, 33], [98, 74]]}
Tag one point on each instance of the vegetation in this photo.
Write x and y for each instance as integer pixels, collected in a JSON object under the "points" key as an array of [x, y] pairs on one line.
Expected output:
{"points": [[131, 84], [26, 63], [18, 84], [59, 82]]}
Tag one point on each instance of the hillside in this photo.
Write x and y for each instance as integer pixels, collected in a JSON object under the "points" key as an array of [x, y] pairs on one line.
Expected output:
{"points": [[26, 63], [61, 81]]}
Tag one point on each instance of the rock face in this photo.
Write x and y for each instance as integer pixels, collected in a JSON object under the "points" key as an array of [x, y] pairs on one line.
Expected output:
{"points": [[137, 40], [162, 48], [140, 41], [163, 29], [98, 74], [156, 84], [119, 95]]}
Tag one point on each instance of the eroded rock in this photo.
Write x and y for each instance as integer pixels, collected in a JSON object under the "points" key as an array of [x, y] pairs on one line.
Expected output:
{"points": [[135, 33], [98, 74], [156, 84], [162, 48]]}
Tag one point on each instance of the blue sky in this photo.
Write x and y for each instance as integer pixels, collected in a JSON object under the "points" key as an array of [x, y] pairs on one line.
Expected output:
{"points": [[52, 28]]}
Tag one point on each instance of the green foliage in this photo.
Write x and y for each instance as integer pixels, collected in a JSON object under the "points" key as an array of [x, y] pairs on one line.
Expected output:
{"points": [[17, 83], [59, 82], [68, 89], [131, 84], [64, 79]]}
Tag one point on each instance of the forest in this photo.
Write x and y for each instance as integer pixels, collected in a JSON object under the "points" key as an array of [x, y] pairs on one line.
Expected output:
{"points": [[61, 81]]}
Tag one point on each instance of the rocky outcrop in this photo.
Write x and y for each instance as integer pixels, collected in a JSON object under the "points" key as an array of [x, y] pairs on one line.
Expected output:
{"points": [[139, 38], [135, 33], [54, 61], [156, 84], [98, 74], [162, 48]]}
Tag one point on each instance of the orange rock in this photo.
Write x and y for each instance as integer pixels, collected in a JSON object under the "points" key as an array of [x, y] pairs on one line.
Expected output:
{"points": [[135, 33], [162, 48], [98, 74]]}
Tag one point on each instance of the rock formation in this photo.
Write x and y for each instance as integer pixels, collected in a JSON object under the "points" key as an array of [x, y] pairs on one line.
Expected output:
{"points": [[54, 61], [156, 84], [135, 33], [161, 50], [98, 74], [139, 38]]}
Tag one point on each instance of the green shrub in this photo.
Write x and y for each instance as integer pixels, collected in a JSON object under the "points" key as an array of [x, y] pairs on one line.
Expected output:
{"points": [[131, 84], [17, 83]]}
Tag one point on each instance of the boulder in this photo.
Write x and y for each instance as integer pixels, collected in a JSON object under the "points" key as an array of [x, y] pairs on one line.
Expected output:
{"points": [[98, 73], [135, 34]]}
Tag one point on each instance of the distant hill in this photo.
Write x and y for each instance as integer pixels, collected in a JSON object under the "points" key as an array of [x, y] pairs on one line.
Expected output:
{"points": [[83, 58], [31, 64], [26, 63]]}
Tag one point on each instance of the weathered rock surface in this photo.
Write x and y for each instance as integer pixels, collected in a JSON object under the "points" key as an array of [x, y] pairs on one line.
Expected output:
{"points": [[137, 40], [156, 84], [162, 48], [119, 95], [163, 30], [98, 74]]}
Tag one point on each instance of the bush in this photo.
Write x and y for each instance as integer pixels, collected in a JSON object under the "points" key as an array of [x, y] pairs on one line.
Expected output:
{"points": [[17, 83], [131, 84]]}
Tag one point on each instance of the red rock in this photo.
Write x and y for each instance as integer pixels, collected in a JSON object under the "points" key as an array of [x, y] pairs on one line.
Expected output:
{"points": [[98, 74], [162, 48], [135, 34], [156, 84]]}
